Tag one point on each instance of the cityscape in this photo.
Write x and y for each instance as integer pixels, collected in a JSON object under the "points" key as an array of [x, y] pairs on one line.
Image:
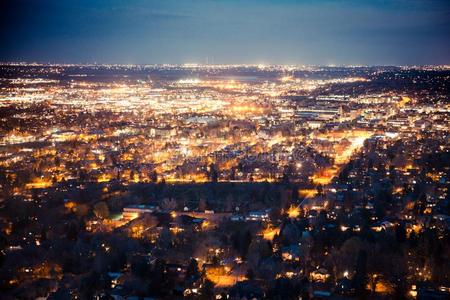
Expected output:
{"points": [[241, 150], [219, 181]]}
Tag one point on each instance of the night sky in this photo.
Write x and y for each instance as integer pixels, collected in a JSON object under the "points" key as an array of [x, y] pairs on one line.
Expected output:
{"points": [[377, 32]]}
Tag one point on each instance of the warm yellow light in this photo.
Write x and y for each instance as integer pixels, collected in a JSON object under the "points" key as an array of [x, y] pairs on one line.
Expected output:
{"points": [[270, 232], [205, 225], [293, 212]]}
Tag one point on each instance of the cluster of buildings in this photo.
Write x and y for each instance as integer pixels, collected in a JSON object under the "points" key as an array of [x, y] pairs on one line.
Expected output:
{"points": [[223, 181]]}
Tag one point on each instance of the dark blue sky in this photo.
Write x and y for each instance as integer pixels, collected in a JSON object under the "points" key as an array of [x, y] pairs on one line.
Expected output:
{"points": [[235, 31]]}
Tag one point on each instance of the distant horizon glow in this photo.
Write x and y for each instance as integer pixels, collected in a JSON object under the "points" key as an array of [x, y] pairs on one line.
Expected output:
{"points": [[285, 67]]}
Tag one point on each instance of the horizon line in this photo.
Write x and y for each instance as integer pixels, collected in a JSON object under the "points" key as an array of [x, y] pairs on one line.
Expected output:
{"points": [[193, 65]]}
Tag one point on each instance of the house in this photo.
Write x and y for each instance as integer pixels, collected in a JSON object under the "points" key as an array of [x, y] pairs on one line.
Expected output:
{"points": [[116, 278], [319, 275], [262, 215], [291, 252], [344, 287], [246, 290], [133, 211]]}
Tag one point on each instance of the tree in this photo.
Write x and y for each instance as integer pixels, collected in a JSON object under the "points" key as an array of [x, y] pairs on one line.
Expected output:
{"points": [[72, 231], [57, 161], [319, 190], [250, 274], [241, 242], [400, 233], [213, 173], [101, 210], [202, 204], [160, 281], [169, 204], [81, 210], [291, 234], [154, 176], [285, 179], [233, 173], [165, 238], [139, 266], [82, 174], [207, 290], [360, 278], [192, 271], [258, 249], [229, 201]]}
